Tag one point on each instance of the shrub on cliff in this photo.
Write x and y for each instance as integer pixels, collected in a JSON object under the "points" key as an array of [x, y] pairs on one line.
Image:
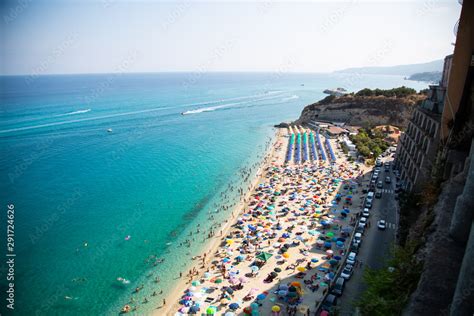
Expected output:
{"points": [[399, 92]]}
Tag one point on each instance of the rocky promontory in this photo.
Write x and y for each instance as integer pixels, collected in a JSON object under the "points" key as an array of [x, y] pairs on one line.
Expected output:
{"points": [[365, 108]]}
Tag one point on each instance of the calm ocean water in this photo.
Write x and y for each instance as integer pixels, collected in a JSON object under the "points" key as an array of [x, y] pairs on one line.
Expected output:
{"points": [[93, 205]]}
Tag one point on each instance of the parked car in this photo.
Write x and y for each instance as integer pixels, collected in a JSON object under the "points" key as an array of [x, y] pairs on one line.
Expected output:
{"points": [[378, 194], [347, 271], [363, 220], [329, 303], [366, 212], [388, 180], [368, 204], [360, 228], [380, 184], [358, 238], [351, 258], [370, 196], [354, 247], [338, 286], [381, 224]]}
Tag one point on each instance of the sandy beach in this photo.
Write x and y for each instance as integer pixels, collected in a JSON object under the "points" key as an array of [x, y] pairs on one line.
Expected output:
{"points": [[283, 244]]}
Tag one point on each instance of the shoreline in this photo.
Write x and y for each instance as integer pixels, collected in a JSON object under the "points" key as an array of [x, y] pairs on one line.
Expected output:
{"points": [[215, 242]]}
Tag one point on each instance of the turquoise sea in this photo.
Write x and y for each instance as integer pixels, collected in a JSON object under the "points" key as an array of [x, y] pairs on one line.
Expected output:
{"points": [[107, 175]]}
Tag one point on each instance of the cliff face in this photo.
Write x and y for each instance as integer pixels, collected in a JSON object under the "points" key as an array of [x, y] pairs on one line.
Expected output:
{"points": [[362, 110]]}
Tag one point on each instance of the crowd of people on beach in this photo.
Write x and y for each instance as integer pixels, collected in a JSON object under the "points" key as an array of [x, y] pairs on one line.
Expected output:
{"points": [[284, 250]]}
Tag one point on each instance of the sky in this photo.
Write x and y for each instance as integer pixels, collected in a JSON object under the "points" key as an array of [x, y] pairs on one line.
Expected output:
{"points": [[104, 36]]}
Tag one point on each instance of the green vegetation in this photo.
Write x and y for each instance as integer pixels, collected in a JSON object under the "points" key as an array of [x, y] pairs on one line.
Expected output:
{"points": [[399, 92], [370, 143], [389, 288]]}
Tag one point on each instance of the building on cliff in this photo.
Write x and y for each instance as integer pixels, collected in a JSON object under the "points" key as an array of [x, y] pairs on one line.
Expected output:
{"points": [[446, 285], [418, 146]]}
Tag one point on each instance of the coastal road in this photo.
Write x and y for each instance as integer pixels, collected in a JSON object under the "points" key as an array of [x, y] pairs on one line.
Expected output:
{"points": [[376, 244]]}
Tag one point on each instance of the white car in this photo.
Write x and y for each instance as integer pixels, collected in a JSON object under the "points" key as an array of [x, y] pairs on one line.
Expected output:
{"points": [[381, 224], [368, 204], [358, 238], [366, 212], [347, 271], [363, 220], [351, 258]]}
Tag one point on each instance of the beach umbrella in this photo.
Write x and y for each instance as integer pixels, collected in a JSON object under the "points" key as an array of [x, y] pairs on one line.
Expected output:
{"points": [[282, 292], [247, 310], [254, 268], [275, 308], [211, 310], [314, 260], [229, 314], [254, 306], [243, 279], [224, 301], [329, 252], [264, 256], [337, 257], [301, 269], [234, 306], [283, 287], [196, 283], [286, 255], [261, 297], [218, 281], [295, 284], [277, 269], [192, 289], [193, 309]]}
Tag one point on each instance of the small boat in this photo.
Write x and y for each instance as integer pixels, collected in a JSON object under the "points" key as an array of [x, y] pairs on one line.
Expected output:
{"points": [[109, 130], [123, 281]]}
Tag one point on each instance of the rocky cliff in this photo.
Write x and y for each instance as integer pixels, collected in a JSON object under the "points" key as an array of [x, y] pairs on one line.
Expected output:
{"points": [[362, 110]]}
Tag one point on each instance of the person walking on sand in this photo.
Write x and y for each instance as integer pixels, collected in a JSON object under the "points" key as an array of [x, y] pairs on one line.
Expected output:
{"points": [[164, 302]]}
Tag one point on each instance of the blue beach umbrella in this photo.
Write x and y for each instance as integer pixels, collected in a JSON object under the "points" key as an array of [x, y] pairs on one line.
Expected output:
{"points": [[234, 306], [261, 297]]}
